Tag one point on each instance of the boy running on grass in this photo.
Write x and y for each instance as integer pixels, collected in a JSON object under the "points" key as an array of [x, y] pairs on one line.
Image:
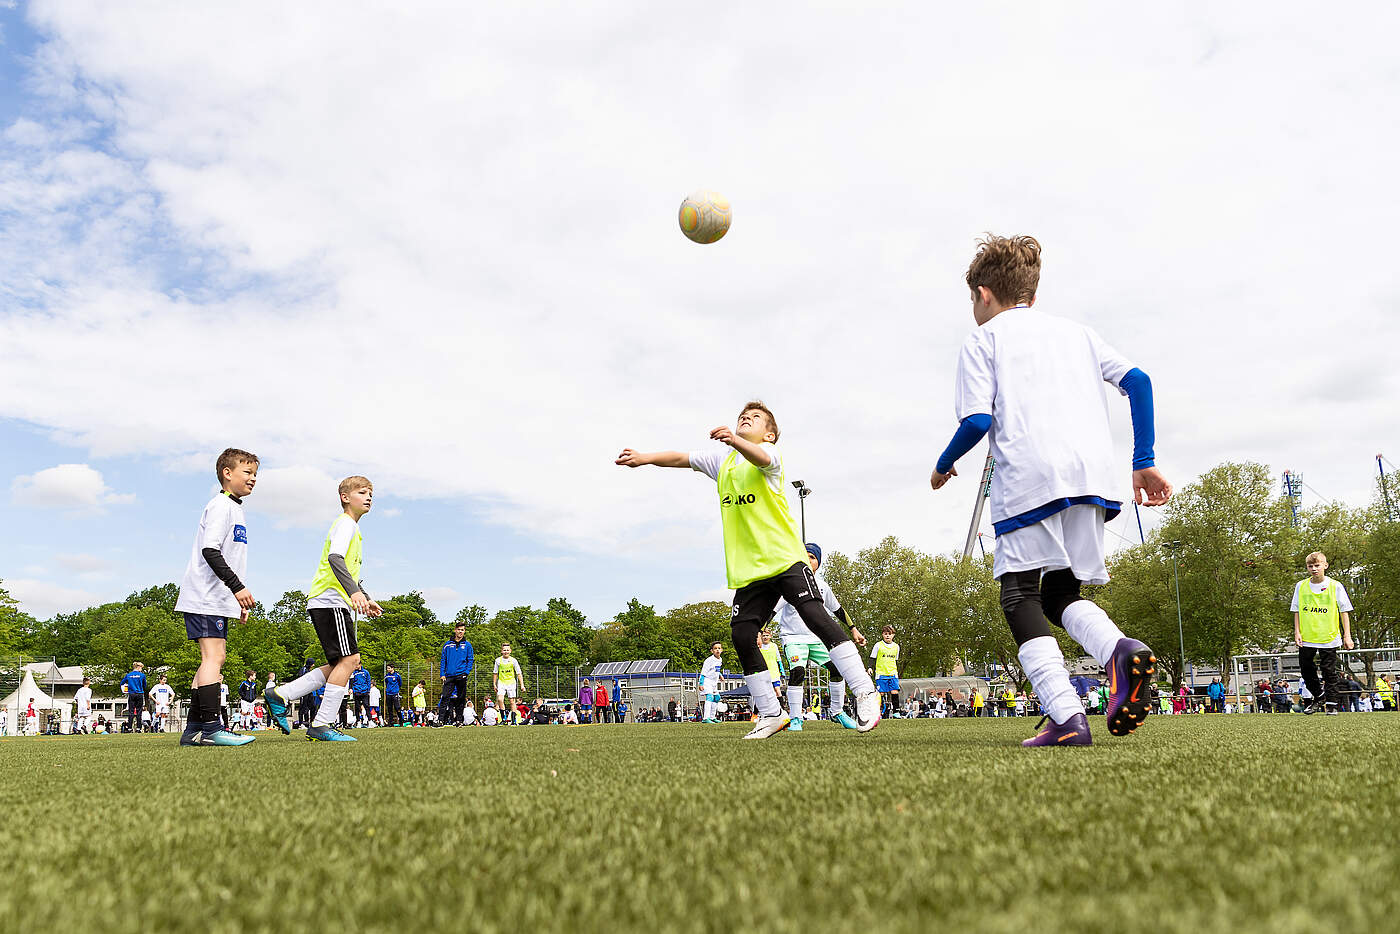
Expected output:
{"points": [[212, 592], [1036, 383], [335, 593], [1321, 625], [765, 559], [803, 649]]}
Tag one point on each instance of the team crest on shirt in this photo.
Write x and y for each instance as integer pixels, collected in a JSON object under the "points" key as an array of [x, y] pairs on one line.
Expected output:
{"points": [[240, 534]]}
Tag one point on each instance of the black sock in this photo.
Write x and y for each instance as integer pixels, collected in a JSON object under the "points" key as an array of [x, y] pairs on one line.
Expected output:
{"points": [[209, 706], [194, 716]]}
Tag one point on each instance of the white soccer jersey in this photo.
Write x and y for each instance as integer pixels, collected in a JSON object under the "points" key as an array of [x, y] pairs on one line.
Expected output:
{"points": [[711, 461], [1041, 380], [790, 624], [162, 694], [710, 675], [83, 701], [221, 526]]}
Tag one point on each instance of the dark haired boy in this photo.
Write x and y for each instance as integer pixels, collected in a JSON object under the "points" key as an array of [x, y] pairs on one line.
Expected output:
{"points": [[212, 592]]}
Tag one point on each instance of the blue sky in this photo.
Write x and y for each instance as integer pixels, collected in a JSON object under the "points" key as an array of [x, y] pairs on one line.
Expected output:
{"points": [[437, 245]]}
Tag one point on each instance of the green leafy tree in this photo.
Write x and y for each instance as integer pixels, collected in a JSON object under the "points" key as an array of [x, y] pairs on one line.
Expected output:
{"points": [[161, 596], [131, 634], [693, 628], [644, 633], [14, 624]]}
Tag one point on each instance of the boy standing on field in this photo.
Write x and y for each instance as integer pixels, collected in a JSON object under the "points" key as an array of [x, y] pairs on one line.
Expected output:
{"points": [[711, 673], [1035, 382], [1321, 624], [886, 657], [765, 559], [335, 592], [212, 593]]}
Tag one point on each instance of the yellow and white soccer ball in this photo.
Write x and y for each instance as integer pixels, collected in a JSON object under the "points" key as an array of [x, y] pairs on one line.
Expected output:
{"points": [[705, 216]]}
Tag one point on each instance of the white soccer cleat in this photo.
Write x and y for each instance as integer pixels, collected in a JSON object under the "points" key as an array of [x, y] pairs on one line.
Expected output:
{"points": [[765, 727], [868, 711]]}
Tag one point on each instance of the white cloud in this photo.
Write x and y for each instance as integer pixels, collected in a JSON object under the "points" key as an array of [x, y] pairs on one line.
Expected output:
{"points": [[84, 563], [459, 272], [299, 496], [390, 513], [67, 486], [440, 595], [42, 599], [544, 559]]}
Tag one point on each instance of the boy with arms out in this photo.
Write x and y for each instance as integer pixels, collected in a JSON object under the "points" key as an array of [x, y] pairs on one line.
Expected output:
{"points": [[212, 593], [765, 559], [506, 676], [1321, 625], [335, 592], [802, 648], [1035, 382], [886, 657]]}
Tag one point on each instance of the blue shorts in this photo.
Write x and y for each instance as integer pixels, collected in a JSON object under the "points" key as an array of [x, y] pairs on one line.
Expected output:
{"points": [[886, 684], [198, 626]]}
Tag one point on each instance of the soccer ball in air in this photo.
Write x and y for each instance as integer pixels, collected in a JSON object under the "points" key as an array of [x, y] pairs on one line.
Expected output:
{"points": [[705, 216]]}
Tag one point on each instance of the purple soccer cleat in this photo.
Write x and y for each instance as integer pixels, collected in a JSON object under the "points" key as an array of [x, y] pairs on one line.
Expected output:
{"points": [[1073, 732], [1130, 673]]}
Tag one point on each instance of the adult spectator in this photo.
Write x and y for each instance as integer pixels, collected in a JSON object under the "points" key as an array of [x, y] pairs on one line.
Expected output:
{"points": [[133, 684], [671, 710], [1216, 690], [619, 708], [1385, 692], [393, 689], [453, 667], [360, 683], [602, 704], [585, 700], [977, 702]]}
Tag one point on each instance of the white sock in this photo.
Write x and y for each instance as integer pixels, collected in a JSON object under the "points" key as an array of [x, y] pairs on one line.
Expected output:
{"points": [[846, 658], [329, 711], [709, 710], [1044, 665], [300, 687], [761, 693], [838, 696], [794, 701], [1090, 626]]}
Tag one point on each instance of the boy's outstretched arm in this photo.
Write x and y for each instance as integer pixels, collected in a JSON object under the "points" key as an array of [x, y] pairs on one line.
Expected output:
{"points": [[631, 458], [970, 431], [751, 452], [1150, 488]]}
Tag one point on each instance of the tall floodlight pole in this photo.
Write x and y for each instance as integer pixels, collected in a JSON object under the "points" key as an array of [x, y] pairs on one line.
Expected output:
{"points": [[1173, 548], [984, 488], [1385, 493], [803, 491]]}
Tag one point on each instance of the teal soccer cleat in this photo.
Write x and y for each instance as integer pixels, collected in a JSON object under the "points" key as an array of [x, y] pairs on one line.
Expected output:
{"points": [[224, 738], [845, 720], [795, 725], [278, 709], [328, 734]]}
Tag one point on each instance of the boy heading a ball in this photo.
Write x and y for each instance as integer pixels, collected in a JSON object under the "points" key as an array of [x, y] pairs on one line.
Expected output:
{"points": [[764, 558], [1035, 384]]}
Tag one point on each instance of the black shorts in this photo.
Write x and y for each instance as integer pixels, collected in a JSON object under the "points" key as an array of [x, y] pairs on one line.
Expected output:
{"points": [[798, 585], [335, 627], [202, 626]]}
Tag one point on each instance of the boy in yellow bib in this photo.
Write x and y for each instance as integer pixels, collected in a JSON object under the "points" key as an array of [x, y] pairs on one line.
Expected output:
{"points": [[335, 592], [765, 559], [1321, 624]]}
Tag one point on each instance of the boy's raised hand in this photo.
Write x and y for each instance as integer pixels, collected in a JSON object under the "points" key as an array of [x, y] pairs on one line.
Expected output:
{"points": [[1150, 488], [723, 434]]}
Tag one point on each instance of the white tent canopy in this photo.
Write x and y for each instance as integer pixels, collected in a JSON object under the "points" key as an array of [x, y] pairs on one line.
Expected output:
{"points": [[18, 703]]}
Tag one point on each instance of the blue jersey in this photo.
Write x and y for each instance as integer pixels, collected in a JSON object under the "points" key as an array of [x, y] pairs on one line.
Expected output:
{"points": [[457, 659], [393, 683], [359, 681], [135, 682]]}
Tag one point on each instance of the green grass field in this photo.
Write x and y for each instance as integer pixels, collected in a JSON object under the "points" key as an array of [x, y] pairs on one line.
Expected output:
{"points": [[1244, 823]]}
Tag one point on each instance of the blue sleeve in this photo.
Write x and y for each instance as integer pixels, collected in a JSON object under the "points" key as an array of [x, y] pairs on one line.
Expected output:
{"points": [[970, 431], [471, 658], [1139, 389], [442, 659]]}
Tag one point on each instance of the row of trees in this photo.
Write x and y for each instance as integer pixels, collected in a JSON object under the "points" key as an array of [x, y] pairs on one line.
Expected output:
{"points": [[1237, 549]]}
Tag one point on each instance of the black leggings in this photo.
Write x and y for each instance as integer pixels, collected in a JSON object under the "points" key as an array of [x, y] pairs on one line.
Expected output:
{"points": [[1032, 602], [754, 604], [1308, 660], [391, 709]]}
